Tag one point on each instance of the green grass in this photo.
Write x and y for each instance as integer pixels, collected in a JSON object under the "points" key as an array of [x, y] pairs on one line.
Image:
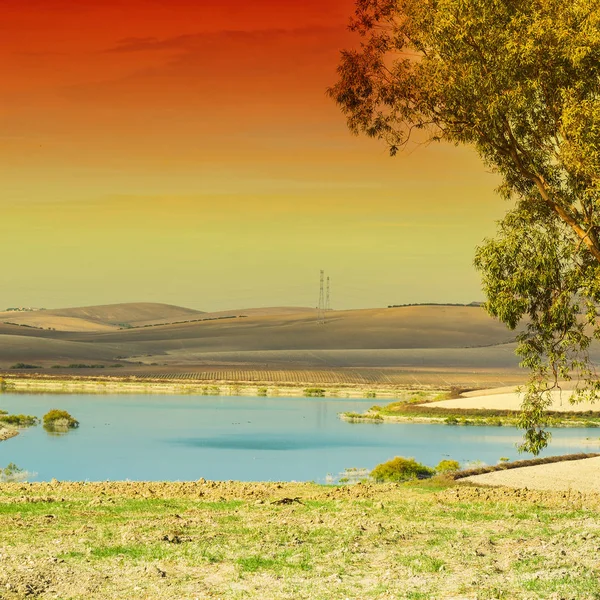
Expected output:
{"points": [[417, 407]]}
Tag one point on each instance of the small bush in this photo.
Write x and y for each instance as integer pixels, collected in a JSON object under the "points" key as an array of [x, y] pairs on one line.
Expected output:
{"points": [[447, 466], [25, 366], [451, 421], [262, 391], [401, 469], [314, 393], [59, 420], [370, 394]]}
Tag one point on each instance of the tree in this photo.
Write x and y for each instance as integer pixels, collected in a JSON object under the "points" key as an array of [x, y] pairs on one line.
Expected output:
{"points": [[518, 80]]}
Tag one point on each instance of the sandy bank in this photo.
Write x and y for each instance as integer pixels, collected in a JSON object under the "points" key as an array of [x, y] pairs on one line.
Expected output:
{"points": [[579, 475], [512, 401], [7, 433]]}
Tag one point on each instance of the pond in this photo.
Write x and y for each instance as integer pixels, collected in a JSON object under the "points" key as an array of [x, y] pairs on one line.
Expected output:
{"points": [[177, 438]]}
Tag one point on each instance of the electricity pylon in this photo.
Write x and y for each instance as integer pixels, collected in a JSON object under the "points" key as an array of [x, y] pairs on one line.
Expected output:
{"points": [[321, 307]]}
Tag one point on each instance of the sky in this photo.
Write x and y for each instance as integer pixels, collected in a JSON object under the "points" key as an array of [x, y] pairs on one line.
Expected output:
{"points": [[185, 152]]}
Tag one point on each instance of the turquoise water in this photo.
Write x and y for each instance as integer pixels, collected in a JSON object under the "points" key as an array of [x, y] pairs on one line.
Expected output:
{"points": [[141, 437]]}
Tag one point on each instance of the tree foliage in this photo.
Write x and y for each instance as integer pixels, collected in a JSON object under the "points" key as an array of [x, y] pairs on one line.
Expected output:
{"points": [[518, 80]]}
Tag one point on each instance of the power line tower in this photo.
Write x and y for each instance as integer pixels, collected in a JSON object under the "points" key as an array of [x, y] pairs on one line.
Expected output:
{"points": [[327, 297], [321, 307]]}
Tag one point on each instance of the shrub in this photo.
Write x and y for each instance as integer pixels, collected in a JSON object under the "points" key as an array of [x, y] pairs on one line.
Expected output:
{"points": [[59, 420], [25, 366], [314, 392], [19, 420], [354, 417], [235, 389], [400, 469], [447, 466], [451, 421], [262, 391], [370, 394]]}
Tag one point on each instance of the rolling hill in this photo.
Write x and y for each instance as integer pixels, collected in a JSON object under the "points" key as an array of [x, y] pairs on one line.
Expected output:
{"points": [[105, 317], [162, 340]]}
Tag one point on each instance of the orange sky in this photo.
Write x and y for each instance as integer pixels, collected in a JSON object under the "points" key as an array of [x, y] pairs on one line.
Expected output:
{"points": [[185, 152]]}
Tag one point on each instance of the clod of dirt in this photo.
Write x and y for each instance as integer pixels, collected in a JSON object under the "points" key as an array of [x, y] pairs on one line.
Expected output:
{"points": [[287, 501], [171, 538]]}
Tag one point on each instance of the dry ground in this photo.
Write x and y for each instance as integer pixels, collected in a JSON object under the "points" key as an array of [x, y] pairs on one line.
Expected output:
{"points": [[235, 540], [580, 475]]}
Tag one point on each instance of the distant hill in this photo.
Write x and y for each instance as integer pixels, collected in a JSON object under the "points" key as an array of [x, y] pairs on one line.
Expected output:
{"points": [[135, 314], [260, 312], [379, 328], [105, 317]]}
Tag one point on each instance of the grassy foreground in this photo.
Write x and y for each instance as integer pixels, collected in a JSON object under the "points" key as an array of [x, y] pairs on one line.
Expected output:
{"points": [[296, 541]]}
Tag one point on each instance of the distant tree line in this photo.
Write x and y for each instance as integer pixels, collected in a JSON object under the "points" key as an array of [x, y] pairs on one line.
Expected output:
{"points": [[477, 304]]}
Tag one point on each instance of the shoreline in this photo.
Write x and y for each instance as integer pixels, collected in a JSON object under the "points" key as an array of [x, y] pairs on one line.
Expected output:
{"points": [[133, 385], [470, 420]]}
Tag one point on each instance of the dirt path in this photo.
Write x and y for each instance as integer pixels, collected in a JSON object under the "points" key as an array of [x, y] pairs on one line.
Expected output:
{"points": [[578, 475]]}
